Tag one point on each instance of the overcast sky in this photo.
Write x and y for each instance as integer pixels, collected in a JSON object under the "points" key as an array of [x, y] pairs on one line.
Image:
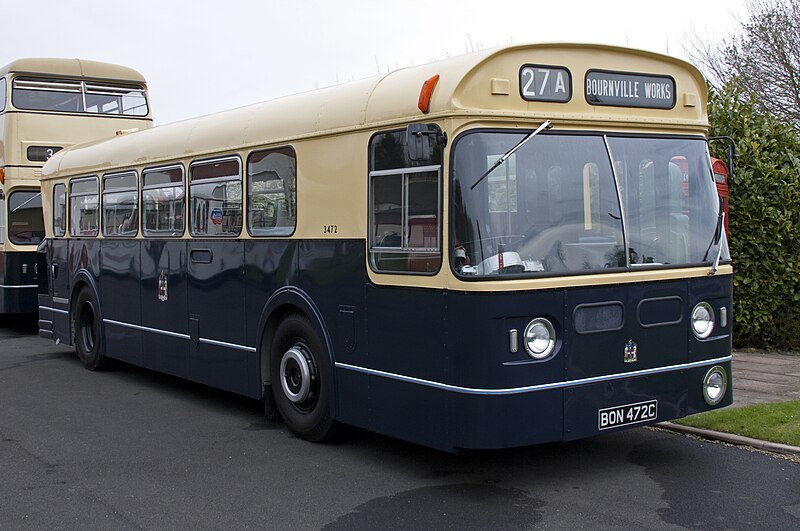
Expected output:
{"points": [[203, 56]]}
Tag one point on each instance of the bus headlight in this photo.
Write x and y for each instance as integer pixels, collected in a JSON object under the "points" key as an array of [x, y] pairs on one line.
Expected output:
{"points": [[540, 338], [715, 384], [702, 320]]}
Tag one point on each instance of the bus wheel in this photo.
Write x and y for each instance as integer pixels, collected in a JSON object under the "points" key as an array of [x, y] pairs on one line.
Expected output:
{"points": [[301, 378], [87, 330]]}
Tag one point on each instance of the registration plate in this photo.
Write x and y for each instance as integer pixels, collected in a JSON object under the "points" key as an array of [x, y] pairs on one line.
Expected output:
{"points": [[614, 417]]}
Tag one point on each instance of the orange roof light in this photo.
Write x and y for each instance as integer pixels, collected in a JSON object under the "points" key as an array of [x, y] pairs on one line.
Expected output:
{"points": [[2, 175], [426, 93]]}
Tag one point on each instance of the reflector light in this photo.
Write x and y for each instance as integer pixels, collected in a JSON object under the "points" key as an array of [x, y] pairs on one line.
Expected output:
{"points": [[2, 175], [426, 93]]}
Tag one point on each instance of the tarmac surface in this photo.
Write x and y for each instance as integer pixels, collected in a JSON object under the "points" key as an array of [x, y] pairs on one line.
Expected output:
{"points": [[758, 378]]}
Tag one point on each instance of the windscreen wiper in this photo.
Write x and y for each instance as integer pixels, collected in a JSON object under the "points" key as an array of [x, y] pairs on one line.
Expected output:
{"points": [[546, 125], [26, 202]]}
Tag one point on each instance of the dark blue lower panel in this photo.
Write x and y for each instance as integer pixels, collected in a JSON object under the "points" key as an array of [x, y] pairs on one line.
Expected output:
{"points": [[449, 420], [18, 283]]}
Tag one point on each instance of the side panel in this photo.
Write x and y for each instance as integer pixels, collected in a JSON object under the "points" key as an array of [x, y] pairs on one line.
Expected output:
{"points": [[164, 301], [18, 282], [120, 298], [219, 355], [58, 258]]}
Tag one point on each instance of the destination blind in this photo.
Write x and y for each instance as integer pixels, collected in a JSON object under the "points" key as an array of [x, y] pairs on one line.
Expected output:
{"points": [[629, 90]]}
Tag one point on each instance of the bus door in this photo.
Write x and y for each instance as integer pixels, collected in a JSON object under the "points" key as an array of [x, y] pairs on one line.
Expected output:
{"points": [[218, 353]]}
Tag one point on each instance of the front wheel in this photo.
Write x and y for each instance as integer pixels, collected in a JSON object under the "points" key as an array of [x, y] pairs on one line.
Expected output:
{"points": [[301, 380], [87, 330]]}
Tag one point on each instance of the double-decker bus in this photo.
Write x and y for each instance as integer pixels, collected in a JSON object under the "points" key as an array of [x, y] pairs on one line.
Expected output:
{"points": [[505, 248], [45, 106]]}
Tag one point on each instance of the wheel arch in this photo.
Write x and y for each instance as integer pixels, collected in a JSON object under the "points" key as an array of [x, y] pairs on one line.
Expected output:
{"points": [[286, 300], [83, 279]]}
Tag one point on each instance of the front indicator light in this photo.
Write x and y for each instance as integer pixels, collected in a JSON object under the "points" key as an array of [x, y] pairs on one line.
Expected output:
{"points": [[715, 384], [540, 338], [702, 320]]}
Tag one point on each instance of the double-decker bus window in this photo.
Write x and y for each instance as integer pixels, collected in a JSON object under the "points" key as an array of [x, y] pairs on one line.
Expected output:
{"points": [[59, 210], [162, 197], [120, 205], [215, 198], [272, 192], [25, 221], [64, 95], [111, 99], [40, 94], [84, 202]]}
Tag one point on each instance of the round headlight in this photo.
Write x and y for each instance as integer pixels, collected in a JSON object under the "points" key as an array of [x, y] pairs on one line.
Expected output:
{"points": [[715, 384], [540, 338], [702, 320]]}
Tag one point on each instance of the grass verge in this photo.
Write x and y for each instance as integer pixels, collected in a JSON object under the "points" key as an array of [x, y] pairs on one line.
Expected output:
{"points": [[779, 422]]}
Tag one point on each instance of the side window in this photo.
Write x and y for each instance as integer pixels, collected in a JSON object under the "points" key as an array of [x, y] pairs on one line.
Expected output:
{"points": [[59, 210], [272, 192], [2, 94], [404, 209], [162, 200], [115, 99], [215, 198], [2, 219], [120, 205], [25, 221], [40, 94], [84, 203]]}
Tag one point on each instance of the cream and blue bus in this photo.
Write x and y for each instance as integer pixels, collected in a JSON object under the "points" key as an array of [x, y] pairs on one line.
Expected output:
{"points": [[47, 105], [510, 247]]}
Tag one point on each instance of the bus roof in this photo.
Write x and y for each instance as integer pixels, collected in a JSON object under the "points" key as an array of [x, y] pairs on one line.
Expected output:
{"points": [[481, 84], [72, 68]]}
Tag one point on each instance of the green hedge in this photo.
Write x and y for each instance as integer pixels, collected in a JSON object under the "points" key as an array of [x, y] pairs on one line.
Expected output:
{"points": [[764, 221]]}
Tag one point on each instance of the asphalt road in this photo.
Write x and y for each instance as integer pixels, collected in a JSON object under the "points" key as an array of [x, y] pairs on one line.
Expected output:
{"points": [[131, 449]]}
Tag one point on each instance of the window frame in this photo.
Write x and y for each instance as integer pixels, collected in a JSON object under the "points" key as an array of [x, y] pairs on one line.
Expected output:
{"points": [[225, 179], [60, 231], [404, 174], [3, 93], [71, 210], [279, 231], [131, 233], [83, 88], [152, 233]]}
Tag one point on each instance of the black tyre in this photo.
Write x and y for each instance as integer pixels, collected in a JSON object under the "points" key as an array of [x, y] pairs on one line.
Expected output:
{"points": [[301, 381], [88, 339]]}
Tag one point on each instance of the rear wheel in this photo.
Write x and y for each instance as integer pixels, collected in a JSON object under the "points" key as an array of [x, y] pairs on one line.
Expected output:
{"points": [[301, 378], [87, 330]]}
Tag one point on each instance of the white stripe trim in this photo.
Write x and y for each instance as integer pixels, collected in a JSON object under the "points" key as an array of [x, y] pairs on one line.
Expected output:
{"points": [[19, 286], [181, 336], [532, 388], [147, 329], [57, 310], [227, 345]]}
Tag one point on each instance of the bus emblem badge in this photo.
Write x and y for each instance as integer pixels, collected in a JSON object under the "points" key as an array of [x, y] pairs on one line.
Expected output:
{"points": [[162, 286], [630, 351]]}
